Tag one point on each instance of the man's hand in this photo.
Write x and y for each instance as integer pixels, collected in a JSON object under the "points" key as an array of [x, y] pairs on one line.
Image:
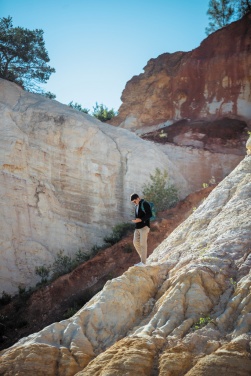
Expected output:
{"points": [[137, 220]]}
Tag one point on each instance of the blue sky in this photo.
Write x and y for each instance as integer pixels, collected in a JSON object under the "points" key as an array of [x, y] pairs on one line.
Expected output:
{"points": [[97, 46]]}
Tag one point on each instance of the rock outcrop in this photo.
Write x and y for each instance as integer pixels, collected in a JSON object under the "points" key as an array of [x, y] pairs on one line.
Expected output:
{"points": [[202, 150], [209, 82], [186, 313], [65, 181]]}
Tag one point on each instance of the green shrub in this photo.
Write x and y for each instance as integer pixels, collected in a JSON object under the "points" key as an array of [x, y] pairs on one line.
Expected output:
{"points": [[43, 272], [160, 191], [61, 265], [64, 264], [102, 113], [203, 321], [95, 250], [21, 290], [23, 296], [5, 299], [81, 256], [118, 231], [78, 107]]}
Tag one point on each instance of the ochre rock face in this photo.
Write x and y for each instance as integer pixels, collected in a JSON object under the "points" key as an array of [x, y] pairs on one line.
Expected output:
{"points": [[210, 81], [187, 312]]}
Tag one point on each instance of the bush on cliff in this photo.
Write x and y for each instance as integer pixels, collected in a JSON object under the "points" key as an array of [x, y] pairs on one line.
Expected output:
{"points": [[160, 191], [102, 113], [118, 231]]}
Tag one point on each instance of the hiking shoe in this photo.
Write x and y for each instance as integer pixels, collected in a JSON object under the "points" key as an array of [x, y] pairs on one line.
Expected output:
{"points": [[140, 264]]}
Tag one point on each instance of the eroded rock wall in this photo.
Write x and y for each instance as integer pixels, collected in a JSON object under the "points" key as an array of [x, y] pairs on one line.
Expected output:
{"points": [[186, 313], [65, 181], [210, 81]]}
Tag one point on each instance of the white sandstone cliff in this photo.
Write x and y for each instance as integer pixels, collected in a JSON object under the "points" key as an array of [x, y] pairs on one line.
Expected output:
{"points": [[65, 181]]}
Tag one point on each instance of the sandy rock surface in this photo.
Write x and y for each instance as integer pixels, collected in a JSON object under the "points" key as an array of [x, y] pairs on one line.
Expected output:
{"points": [[186, 313]]}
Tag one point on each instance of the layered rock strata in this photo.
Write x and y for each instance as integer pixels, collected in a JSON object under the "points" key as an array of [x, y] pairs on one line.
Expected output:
{"points": [[65, 181], [202, 151], [210, 81], [186, 313]]}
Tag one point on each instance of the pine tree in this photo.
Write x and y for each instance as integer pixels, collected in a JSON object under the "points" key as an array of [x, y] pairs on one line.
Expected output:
{"points": [[220, 13], [23, 57]]}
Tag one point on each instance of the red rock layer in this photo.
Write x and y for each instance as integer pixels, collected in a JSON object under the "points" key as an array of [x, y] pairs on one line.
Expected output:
{"points": [[210, 81]]}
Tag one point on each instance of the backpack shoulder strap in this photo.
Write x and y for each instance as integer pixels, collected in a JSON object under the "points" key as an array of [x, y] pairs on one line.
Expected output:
{"points": [[142, 205]]}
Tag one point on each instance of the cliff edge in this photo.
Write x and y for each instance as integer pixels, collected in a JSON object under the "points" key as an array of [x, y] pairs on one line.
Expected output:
{"points": [[209, 82]]}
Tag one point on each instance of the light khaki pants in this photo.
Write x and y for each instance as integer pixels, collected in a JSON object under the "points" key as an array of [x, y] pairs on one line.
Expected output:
{"points": [[140, 242]]}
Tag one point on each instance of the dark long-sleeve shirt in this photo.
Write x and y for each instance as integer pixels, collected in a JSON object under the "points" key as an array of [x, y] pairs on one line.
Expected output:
{"points": [[143, 215]]}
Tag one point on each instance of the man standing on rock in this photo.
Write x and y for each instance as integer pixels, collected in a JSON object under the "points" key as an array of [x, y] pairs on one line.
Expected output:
{"points": [[143, 214]]}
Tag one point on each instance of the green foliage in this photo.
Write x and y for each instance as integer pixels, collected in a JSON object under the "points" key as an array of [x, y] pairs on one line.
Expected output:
{"points": [[102, 113], [233, 283], [81, 256], [49, 95], [242, 7], [23, 296], [95, 249], [160, 191], [78, 107], [118, 231], [223, 12], [23, 57], [5, 299], [203, 321], [61, 265], [43, 272], [21, 290], [220, 13]]}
